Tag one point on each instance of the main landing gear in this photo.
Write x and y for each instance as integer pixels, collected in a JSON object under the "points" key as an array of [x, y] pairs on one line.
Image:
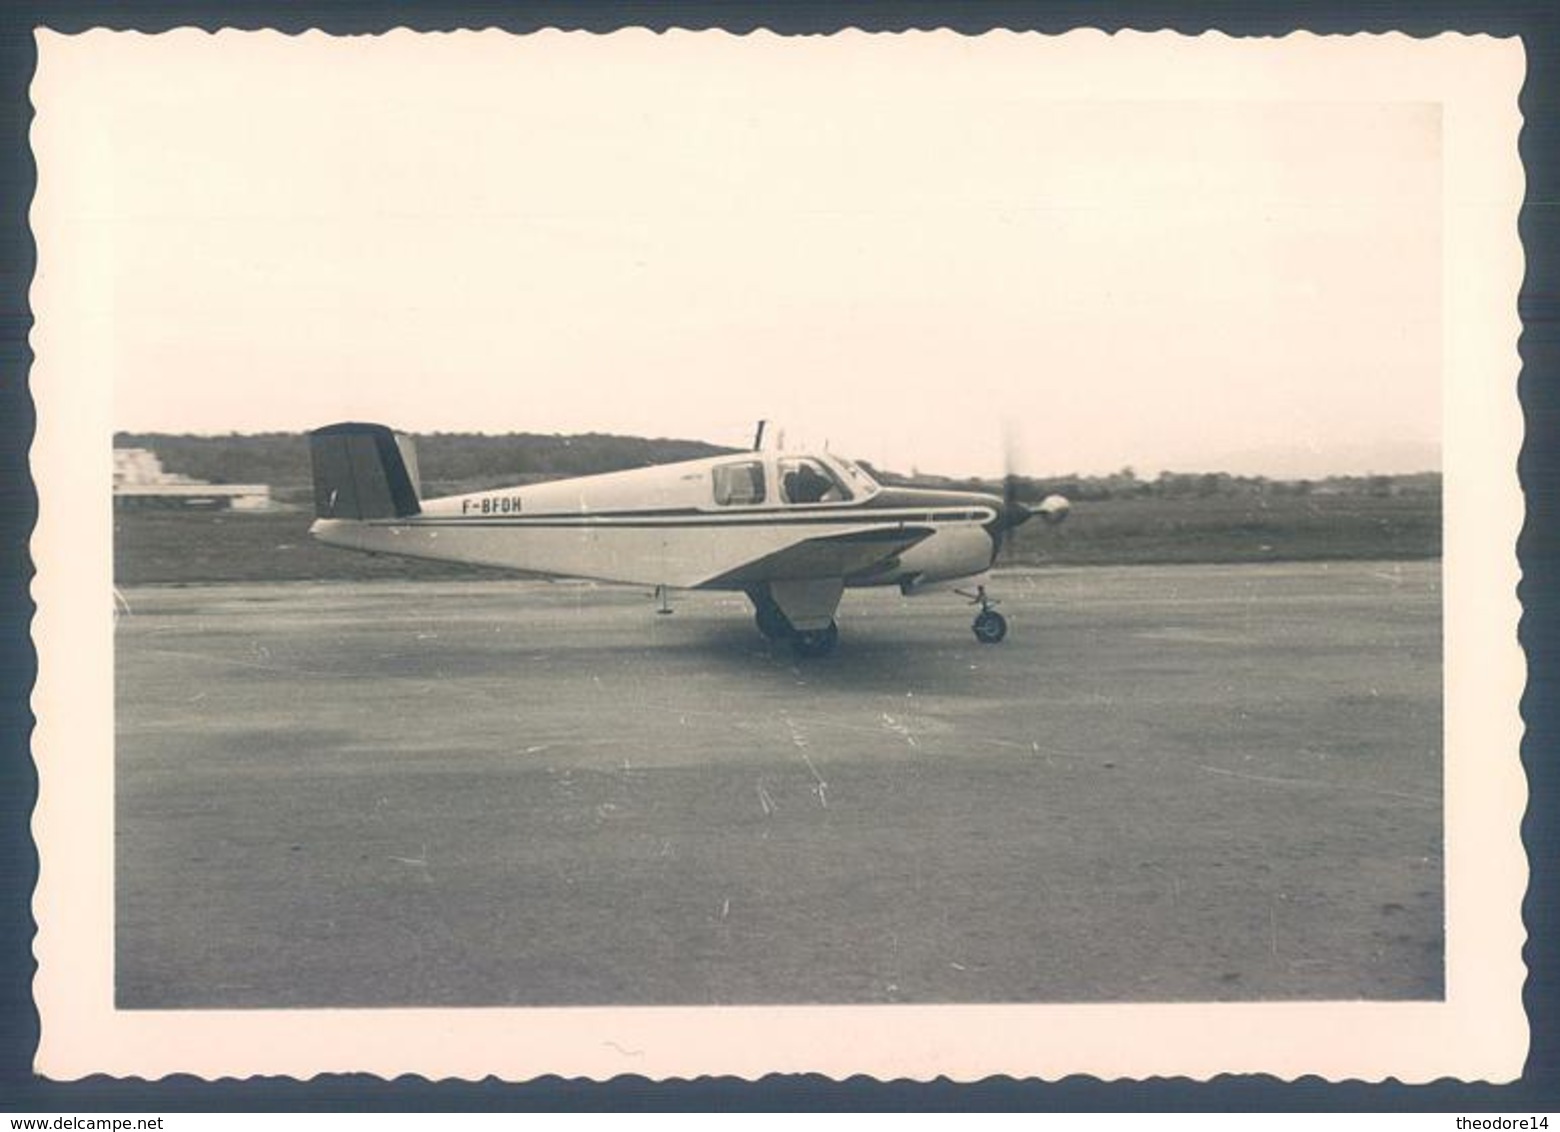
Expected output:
{"points": [[815, 642], [773, 623], [989, 625]]}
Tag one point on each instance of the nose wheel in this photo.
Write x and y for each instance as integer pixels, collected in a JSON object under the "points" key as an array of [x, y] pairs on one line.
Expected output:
{"points": [[989, 626]]}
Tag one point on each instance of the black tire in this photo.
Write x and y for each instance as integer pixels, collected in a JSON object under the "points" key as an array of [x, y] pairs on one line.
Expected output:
{"points": [[767, 615], [772, 623], [816, 642], [990, 627]]}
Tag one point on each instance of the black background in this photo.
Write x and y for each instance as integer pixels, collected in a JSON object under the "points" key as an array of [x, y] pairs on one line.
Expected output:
{"points": [[1539, 1088]]}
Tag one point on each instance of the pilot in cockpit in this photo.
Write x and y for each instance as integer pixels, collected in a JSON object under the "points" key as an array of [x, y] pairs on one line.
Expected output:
{"points": [[807, 485]]}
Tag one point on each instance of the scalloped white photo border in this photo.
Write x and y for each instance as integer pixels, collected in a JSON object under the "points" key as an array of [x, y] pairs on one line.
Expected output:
{"points": [[1479, 1032]]}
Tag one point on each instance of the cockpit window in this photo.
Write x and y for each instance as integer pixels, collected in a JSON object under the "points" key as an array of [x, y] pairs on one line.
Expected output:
{"points": [[809, 481], [739, 484], [858, 475]]}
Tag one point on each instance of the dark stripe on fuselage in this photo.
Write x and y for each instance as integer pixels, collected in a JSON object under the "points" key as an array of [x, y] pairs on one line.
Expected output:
{"points": [[890, 504], [681, 520]]}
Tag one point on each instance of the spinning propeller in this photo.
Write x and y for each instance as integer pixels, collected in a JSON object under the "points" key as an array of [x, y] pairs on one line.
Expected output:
{"points": [[1015, 513]]}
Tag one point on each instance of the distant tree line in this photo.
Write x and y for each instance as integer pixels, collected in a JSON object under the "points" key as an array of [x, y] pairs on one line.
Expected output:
{"points": [[466, 461], [1125, 484]]}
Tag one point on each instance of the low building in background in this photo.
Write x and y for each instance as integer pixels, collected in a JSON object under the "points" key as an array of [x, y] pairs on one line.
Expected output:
{"points": [[141, 482]]}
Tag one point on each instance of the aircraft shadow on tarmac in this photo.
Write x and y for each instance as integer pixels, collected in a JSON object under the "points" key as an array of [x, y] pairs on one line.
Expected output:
{"points": [[870, 658]]}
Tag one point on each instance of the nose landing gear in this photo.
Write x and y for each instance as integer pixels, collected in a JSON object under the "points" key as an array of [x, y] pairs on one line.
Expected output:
{"points": [[989, 625]]}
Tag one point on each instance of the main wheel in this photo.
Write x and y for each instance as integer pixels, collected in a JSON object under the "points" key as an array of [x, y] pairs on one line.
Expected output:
{"points": [[772, 623], [990, 627], [816, 642]]}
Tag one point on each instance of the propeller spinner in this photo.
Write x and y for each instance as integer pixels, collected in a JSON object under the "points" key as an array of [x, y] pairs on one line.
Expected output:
{"points": [[1052, 509]]}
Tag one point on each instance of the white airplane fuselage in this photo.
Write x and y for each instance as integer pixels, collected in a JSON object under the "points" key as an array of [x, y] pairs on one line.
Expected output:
{"points": [[791, 530], [662, 526]]}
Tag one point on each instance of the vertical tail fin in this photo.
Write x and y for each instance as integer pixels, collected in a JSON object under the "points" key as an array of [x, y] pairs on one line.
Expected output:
{"points": [[363, 471]]}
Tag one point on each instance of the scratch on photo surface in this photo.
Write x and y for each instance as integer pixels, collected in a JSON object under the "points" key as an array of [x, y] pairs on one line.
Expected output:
{"points": [[896, 727], [418, 862], [1322, 784], [293, 670], [800, 742]]}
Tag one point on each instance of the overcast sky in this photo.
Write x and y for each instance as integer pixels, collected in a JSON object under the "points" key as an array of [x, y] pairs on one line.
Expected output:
{"points": [[914, 248]]}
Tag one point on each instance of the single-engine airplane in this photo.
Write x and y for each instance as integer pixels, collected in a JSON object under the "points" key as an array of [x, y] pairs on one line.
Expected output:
{"points": [[790, 529]]}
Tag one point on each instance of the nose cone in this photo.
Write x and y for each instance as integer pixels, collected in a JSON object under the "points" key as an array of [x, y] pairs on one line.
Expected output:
{"points": [[1011, 514], [1053, 509]]}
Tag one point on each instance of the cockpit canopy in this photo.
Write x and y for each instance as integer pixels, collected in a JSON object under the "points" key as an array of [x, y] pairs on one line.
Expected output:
{"points": [[789, 479]]}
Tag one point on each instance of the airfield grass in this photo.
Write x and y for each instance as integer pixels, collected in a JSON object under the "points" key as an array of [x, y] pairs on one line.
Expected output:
{"points": [[1235, 528], [227, 546]]}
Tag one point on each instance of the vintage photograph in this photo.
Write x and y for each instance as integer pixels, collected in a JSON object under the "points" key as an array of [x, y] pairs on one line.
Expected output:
{"points": [[703, 521]]}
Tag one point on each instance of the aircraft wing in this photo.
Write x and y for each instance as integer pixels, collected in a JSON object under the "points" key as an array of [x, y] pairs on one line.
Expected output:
{"points": [[847, 555]]}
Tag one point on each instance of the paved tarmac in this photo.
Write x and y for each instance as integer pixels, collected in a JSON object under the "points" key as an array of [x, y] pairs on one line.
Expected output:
{"points": [[1178, 783]]}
